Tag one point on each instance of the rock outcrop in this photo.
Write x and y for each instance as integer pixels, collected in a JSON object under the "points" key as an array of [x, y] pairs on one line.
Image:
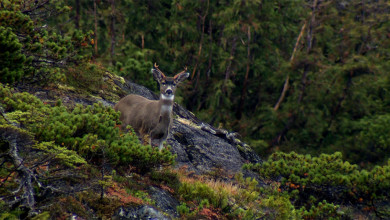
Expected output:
{"points": [[199, 146]]}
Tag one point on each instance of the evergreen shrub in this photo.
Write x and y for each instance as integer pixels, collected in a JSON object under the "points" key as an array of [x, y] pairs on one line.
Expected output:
{"points": [[31, 49], [326, 177], [11, 57]]}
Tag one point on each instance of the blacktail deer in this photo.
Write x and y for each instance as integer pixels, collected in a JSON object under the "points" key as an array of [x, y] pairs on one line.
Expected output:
{"points": [[151, 117]]}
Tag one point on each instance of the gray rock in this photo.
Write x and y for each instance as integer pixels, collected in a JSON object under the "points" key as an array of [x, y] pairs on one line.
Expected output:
{"points": [[202, 151], [132, 88], [139, 212], [164, 201], [200, 146]]}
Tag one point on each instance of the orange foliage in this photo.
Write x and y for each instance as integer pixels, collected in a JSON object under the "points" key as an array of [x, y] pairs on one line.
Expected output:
{"points": [[122, 195], [209, 214], [167, 188], [369, 208]]}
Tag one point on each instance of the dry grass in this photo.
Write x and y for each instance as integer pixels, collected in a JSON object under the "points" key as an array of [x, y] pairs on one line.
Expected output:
{"points": [[217, 185]]}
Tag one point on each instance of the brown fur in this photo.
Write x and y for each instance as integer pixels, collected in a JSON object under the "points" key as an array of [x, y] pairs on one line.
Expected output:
{"points": [[151, 117]]}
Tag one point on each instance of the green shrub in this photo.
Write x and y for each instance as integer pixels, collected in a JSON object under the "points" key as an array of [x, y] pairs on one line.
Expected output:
{"points": [[326, 176], [372, 143], [11, 57], [138, 71], [198, 192], [322, 210], [279, 207], [87, 77], [38, 53], [183, 209], [166, 177], [67, 157]]}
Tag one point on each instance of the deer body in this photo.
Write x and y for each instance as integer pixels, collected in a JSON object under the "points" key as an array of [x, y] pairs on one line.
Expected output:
{"points": [[151, 117]]}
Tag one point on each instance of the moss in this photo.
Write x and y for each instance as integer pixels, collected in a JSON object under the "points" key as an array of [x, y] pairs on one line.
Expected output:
{"points": [[42, 216], [188, 122]]}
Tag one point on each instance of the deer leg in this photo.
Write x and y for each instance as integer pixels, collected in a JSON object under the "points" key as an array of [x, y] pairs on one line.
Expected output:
{"points": [[160, 144]]}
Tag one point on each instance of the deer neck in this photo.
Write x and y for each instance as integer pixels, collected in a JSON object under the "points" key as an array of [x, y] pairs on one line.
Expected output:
{"points": [[166, 106]]}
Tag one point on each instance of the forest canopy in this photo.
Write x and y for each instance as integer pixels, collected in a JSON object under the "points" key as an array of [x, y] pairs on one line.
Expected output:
{"points": [[309, 76]]}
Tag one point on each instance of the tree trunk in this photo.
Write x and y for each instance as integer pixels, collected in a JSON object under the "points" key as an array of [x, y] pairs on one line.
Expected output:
{"points": [[210, 50], [309, 41], [203, 19], [286, 82], [245, 85], [112, 29], [77, 17], [96, 28], [232, 52]]}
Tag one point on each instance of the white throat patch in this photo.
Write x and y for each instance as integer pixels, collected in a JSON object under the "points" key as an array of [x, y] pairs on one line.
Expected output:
{"points": [[166, 108], [167, 97]]}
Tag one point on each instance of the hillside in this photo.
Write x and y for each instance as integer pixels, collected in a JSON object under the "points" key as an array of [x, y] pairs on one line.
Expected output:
{"points": [[197, 156], [285, 113], [85, 171]]}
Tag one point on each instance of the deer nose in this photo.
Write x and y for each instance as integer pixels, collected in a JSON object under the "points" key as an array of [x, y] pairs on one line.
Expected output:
{"points": [[169, 92]]}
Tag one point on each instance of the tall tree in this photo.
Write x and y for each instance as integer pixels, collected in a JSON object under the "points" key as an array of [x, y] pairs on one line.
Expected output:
{"points": [[96, 33], [112, 31], [77, 16]]}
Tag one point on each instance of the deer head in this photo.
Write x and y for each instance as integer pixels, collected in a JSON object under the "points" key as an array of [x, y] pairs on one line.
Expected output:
{"points": [[168, 85]]}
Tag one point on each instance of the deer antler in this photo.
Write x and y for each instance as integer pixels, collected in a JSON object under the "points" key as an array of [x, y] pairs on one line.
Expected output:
{"points": [[185, 70], [156, 67]]}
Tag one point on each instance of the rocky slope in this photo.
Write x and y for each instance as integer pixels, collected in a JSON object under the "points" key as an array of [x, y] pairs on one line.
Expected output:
{"points": [[200, 148]]}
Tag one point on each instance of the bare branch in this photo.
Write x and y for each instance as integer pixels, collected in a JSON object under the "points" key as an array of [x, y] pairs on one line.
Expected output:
{"points": [[286, 82]]}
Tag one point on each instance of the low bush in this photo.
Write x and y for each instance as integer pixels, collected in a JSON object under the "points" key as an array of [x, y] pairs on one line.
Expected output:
{"points": [[326, 177]]}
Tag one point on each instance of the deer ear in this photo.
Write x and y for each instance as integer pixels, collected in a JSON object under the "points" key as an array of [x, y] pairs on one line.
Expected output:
{"points": [[157, 74], [180, 77]]}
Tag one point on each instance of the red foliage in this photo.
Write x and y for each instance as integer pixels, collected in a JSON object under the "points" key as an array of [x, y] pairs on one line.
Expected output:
{"points": [[210, 214], [120, 193]]}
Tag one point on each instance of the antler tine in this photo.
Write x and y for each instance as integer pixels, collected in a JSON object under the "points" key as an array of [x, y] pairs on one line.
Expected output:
{"points": [[156, 67], [185, 70]]}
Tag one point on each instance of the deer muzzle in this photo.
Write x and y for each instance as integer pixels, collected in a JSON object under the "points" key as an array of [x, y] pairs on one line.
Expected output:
{"points": [[169, 92]]}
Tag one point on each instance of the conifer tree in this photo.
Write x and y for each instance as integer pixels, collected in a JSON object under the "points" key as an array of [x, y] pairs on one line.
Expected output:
{"points": [[12, 60]]}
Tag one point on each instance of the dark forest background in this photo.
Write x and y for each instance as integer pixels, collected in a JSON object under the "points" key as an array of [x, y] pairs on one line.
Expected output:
{"points": [[305, 75]]}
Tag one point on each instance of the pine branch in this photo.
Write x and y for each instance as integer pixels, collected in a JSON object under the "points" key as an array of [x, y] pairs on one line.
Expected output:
{"points": [[2, 113]]}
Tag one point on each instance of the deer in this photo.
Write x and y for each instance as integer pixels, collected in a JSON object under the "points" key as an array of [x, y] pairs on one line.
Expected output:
{"points": [[152, 118]]}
